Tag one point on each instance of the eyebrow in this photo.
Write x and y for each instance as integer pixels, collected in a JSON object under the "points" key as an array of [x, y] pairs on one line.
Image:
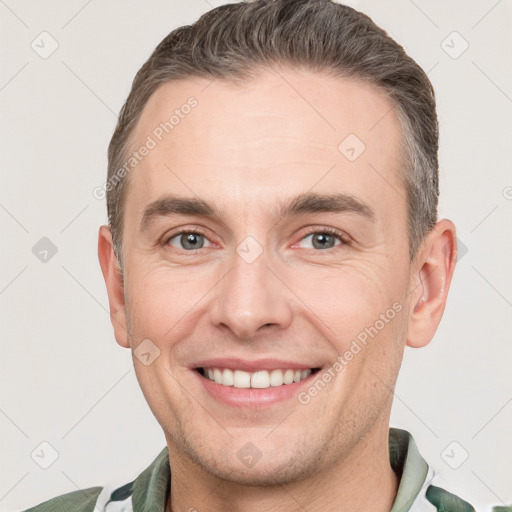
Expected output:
{"points": [[302, 204]]}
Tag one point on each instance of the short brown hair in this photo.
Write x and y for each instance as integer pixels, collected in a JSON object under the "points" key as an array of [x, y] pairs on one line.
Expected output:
{"points": [[232, 41]]}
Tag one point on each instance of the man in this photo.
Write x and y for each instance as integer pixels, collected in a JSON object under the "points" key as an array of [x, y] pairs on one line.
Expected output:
{"points": [[272, 247]]}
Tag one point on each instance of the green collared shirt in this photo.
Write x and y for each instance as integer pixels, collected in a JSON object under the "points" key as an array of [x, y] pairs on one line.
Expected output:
{"points": [[149, 491]]}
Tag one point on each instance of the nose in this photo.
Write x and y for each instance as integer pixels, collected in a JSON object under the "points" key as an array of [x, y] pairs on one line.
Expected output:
{"points": [[250, 298]]}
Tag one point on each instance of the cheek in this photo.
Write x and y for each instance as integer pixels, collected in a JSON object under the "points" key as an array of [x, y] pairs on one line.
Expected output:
{"points": [[156, 302], [164, 302], [340, 301], [348, 298]]}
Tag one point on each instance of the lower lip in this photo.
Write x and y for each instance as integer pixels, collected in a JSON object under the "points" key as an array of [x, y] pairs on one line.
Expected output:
{"points": [[250, 397]]}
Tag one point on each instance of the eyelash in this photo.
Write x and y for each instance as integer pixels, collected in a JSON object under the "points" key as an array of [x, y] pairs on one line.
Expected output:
{"points": [[189, 231], [330, 231]]}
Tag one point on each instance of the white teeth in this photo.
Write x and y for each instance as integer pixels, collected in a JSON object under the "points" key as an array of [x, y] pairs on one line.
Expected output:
{"points": [[305, 373], [227, 378], [288, 376], [241, 379], [276, 378], [260, 380], [217, 376]]}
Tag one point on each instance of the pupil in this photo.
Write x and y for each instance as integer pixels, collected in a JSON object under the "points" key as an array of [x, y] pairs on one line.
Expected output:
{"points": [[323, 240], [190, 240]]}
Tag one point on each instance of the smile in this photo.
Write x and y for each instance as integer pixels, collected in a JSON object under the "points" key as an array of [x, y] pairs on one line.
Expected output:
{"points": [[261, 379]]}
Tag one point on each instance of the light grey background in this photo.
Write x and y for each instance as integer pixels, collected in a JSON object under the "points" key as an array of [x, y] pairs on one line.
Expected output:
{"points": [[64, 380]]}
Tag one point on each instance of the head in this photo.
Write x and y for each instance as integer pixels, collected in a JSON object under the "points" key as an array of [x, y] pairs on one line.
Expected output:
{"points": [[299, 143]]}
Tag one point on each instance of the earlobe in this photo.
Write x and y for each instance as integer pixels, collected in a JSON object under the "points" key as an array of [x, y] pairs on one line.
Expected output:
{"points": [[430, 283], [114, 284]]}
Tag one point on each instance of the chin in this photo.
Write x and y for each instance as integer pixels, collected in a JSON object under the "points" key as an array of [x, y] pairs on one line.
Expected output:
{"points": [[243, 463], [269, 474]]}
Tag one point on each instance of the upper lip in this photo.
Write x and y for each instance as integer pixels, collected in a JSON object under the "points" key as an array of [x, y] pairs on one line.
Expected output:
{"points": [[252, 365]]}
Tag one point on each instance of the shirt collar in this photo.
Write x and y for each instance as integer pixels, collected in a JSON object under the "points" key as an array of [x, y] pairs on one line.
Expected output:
{"points": [[410, 467], [152, 485]]}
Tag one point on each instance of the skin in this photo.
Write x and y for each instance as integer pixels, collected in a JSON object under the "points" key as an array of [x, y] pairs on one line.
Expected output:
{"points": [[243, 149]]}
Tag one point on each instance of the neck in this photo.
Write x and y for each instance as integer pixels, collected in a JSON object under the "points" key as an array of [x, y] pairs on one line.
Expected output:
{"points": [[362, 481]]}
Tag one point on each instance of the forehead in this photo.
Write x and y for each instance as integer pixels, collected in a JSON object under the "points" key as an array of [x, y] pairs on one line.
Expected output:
{"points": [[284, 132]]}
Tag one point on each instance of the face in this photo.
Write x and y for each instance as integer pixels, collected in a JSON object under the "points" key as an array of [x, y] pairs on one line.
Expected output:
{"points": [[261, 243]]}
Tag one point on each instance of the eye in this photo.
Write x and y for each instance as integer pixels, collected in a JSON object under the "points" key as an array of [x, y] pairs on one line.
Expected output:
{"points": [[322, 239], [188, 240], [325, 238]]}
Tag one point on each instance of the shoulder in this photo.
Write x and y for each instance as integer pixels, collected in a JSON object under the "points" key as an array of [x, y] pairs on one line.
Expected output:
{"points": [[146, 492], [83, 500], [418, 489], [444, 500]]}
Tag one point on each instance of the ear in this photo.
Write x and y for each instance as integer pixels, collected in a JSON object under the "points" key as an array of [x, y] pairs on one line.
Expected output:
{"points": [[115, 285], [431, 276]]}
